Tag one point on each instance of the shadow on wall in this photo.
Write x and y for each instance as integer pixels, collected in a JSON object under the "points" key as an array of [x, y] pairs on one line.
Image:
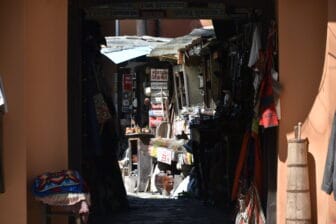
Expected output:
{"points": [[312, 187], [331, 13], [302, 61], [307, 55], [317, 128]]}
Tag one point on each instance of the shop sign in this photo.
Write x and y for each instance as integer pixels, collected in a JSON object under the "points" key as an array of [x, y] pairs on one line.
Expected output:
{"points": [[145, 4], [127, 82], [156, 106], [137, 5], [125, 106], [164, 155], [157, 96], [125, 109], [156, 113], [152, 14], [106, 9], [159, 75], [187, 13], [204, 13], [126, 103], [156, 99], [164, 5], [159, 85], [108, 13]]}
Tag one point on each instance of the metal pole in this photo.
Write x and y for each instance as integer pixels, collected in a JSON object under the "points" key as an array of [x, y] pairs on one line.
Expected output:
{"points": [[141, 27], [117, 27]]}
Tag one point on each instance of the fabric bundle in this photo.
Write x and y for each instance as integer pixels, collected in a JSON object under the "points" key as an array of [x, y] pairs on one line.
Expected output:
{"points": [[166, 150], [267, 110], [102, 111], [250, 150], [64, 199], [170, 143], [250, 209], [62, 188]]}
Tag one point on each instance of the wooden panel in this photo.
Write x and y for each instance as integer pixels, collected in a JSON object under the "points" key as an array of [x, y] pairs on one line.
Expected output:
{"points": [[74, 87], [2, 182]]}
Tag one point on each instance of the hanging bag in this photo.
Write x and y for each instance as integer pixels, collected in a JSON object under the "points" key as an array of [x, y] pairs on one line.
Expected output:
{"points": [[250, 211]]}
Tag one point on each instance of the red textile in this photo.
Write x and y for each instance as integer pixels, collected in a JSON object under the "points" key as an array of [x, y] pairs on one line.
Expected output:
{"points": [[268, 116], [239, 168], [242, 161], [252, 213], [155, 121]]}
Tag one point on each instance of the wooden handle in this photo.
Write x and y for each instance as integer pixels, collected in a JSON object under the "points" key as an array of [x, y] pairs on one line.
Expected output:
{"points": [[299, 130], [296, 134]]}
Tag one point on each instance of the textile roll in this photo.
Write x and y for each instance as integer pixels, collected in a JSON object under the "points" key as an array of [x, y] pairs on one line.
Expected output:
{"points": [[298, 209]]}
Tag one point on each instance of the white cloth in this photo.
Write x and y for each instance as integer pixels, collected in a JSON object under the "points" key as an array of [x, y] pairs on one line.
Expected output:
{"points": [[276, 90], [153, 188], [256, 46], [183, 187]]}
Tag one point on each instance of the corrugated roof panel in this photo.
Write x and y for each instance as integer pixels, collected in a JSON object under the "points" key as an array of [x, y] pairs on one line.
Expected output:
{"points": [[172, 48], [125, 55], [124, 48]]}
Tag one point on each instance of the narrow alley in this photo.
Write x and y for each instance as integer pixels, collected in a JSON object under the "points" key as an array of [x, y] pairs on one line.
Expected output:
{"points": [[149, 210]]}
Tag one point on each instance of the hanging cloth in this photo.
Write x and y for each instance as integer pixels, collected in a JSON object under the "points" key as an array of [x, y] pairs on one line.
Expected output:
{"points": [[329, 175], [253, 149], [255, 48], [268, 115], [250, 209], [102, 111]]}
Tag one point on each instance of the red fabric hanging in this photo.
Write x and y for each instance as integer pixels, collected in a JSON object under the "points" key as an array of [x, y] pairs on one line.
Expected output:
{"points": [[242, 161], [268, 116], [252, 213]]}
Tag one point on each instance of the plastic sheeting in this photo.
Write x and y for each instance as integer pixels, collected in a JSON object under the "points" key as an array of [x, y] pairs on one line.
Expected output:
{"points": [[124, 48], [126, 55]]}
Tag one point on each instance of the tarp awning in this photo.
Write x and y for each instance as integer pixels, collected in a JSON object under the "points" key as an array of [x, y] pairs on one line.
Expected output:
{"points": [[124, 48], [171, 49], [118, 57]]}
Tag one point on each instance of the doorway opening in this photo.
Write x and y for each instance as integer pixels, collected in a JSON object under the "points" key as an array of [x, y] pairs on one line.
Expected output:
{"points": [[174, 108]]}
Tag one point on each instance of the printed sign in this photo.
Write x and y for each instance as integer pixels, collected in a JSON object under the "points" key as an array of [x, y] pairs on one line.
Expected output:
{"points": [[159, 85], [156, 106], [156, 113], [127, 82], [164, 155], [159, 75], [155, 9], [158, 93], [125, 110], [155, 121], [126, 102]]}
